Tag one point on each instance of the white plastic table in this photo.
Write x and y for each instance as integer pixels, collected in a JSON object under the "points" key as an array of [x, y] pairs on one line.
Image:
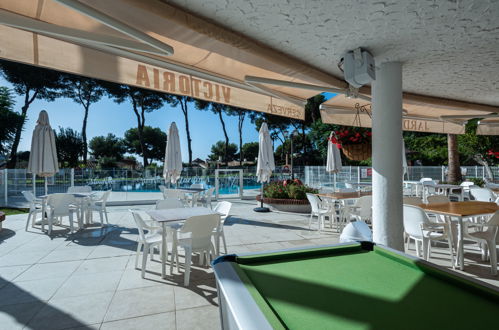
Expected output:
{"points": [[78, 195], [172, 215]]}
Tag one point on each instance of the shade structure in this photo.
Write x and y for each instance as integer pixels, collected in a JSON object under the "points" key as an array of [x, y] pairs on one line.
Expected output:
{"points": [[43, 155], [417, 116], [154, 45], [333, 161], [173, 156], [265, 165], [488, 126]]}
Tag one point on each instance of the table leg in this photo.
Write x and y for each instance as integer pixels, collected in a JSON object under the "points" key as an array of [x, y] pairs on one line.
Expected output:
{"points": [[163, 249], [460, 243]]}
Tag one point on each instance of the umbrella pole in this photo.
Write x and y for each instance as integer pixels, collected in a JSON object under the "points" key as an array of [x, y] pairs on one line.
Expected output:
{"points": [[261, 208], [46, 187]]}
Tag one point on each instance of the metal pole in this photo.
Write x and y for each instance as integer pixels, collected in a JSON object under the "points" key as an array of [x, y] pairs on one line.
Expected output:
{"points": [[292, 170], [72, 178], [33, 180], [46, 187], [6, 176]]}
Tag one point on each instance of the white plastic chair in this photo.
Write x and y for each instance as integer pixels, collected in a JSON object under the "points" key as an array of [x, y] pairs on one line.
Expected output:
{"points": [[201, 230], [466, 188], [170, 203], [59, 206], [35, 207], [222, 208], [362, 209], [197, 185], [487, 238], [174, 193], [483, 194], [205, 199], [99, 205], [79, 189], [418, 227], [317, 211], [148, 240]]}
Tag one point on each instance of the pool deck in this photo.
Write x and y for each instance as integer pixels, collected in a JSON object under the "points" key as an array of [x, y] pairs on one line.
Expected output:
{"points": [[88, 281]]}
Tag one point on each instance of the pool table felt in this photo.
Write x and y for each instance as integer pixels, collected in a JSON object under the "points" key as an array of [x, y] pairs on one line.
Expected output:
{"points": [[347, 287]]}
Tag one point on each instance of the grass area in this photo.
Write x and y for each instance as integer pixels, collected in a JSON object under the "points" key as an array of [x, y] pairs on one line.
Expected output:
{"points": [[12, 211]]}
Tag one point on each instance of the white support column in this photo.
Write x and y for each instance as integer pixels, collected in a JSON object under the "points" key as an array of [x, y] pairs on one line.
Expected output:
{"points": [[387, 156]]}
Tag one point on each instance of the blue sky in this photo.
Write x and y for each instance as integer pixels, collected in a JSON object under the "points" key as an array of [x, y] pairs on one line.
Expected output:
{"points": [[108, 117]]}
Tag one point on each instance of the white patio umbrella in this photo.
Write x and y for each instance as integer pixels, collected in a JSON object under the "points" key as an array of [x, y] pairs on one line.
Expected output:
{"points": [[333, 161], [43, 156], [173, 156], [266, 164]]}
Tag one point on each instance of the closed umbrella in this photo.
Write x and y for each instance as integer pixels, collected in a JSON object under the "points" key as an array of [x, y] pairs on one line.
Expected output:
{"points": [[173, 156], [43, 156], [266, 164], [333, 161]]}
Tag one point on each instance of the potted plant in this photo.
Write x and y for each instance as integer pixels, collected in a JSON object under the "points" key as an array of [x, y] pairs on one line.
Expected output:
{"points": [[354, 141], [288, 196]]}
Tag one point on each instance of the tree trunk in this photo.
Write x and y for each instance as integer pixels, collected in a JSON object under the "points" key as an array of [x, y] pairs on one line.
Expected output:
{"points": [[84, 135], [183, 105], [24, 111], [242, 114], [454, 174], [225, 134], [140, 127]]}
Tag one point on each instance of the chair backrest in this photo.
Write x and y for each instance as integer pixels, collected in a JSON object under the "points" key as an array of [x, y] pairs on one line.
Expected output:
{"points": [[494, 220], [201, 229], [428, 180], [223, 208], [59, 203], [173, 193], [79, 189], [435, 199], [29, 196], [467, 185], [412, 201], [365, 203], [141, 225], [105, 197], [169, 203], [162, 188], [482, 194], [209, 194], [314, 202], [414, 216], [197, 185]]}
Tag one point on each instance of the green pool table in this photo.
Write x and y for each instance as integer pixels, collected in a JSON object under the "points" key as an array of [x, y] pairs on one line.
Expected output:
{"points": [[349, 286]]}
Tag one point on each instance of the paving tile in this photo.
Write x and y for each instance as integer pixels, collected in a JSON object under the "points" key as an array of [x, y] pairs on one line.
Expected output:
{"points": [[71, 312], [29, 291], [100, 265], [9, 273], [132, 279], [140, 302], [17, 316], [157, 321], [205, 318], [16, 259], [195, 295], [83, 284], [49, 270], [67, 255], [109, 251]]}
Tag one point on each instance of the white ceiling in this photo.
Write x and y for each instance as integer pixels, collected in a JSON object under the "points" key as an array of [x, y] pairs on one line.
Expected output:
{"points": [[449, 48]]}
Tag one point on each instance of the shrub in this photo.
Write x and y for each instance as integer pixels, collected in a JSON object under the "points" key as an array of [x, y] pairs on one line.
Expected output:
{"points": [[288, 189], [477, 181]]}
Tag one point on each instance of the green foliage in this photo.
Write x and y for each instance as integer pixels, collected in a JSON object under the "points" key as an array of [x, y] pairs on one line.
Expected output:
{"points": [[69, 145], [477, 181], [154, 140], [107, 162], [288, 189], [9, 120], [218, 150], [250, 150], [109, 146], [431, 149]]}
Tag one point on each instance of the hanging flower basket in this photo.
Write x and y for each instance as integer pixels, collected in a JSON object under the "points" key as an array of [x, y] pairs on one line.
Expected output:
{"points": [[357, 151]]}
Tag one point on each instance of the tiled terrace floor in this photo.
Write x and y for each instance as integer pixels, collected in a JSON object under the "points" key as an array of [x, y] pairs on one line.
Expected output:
{"points": [[88, 281]]}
